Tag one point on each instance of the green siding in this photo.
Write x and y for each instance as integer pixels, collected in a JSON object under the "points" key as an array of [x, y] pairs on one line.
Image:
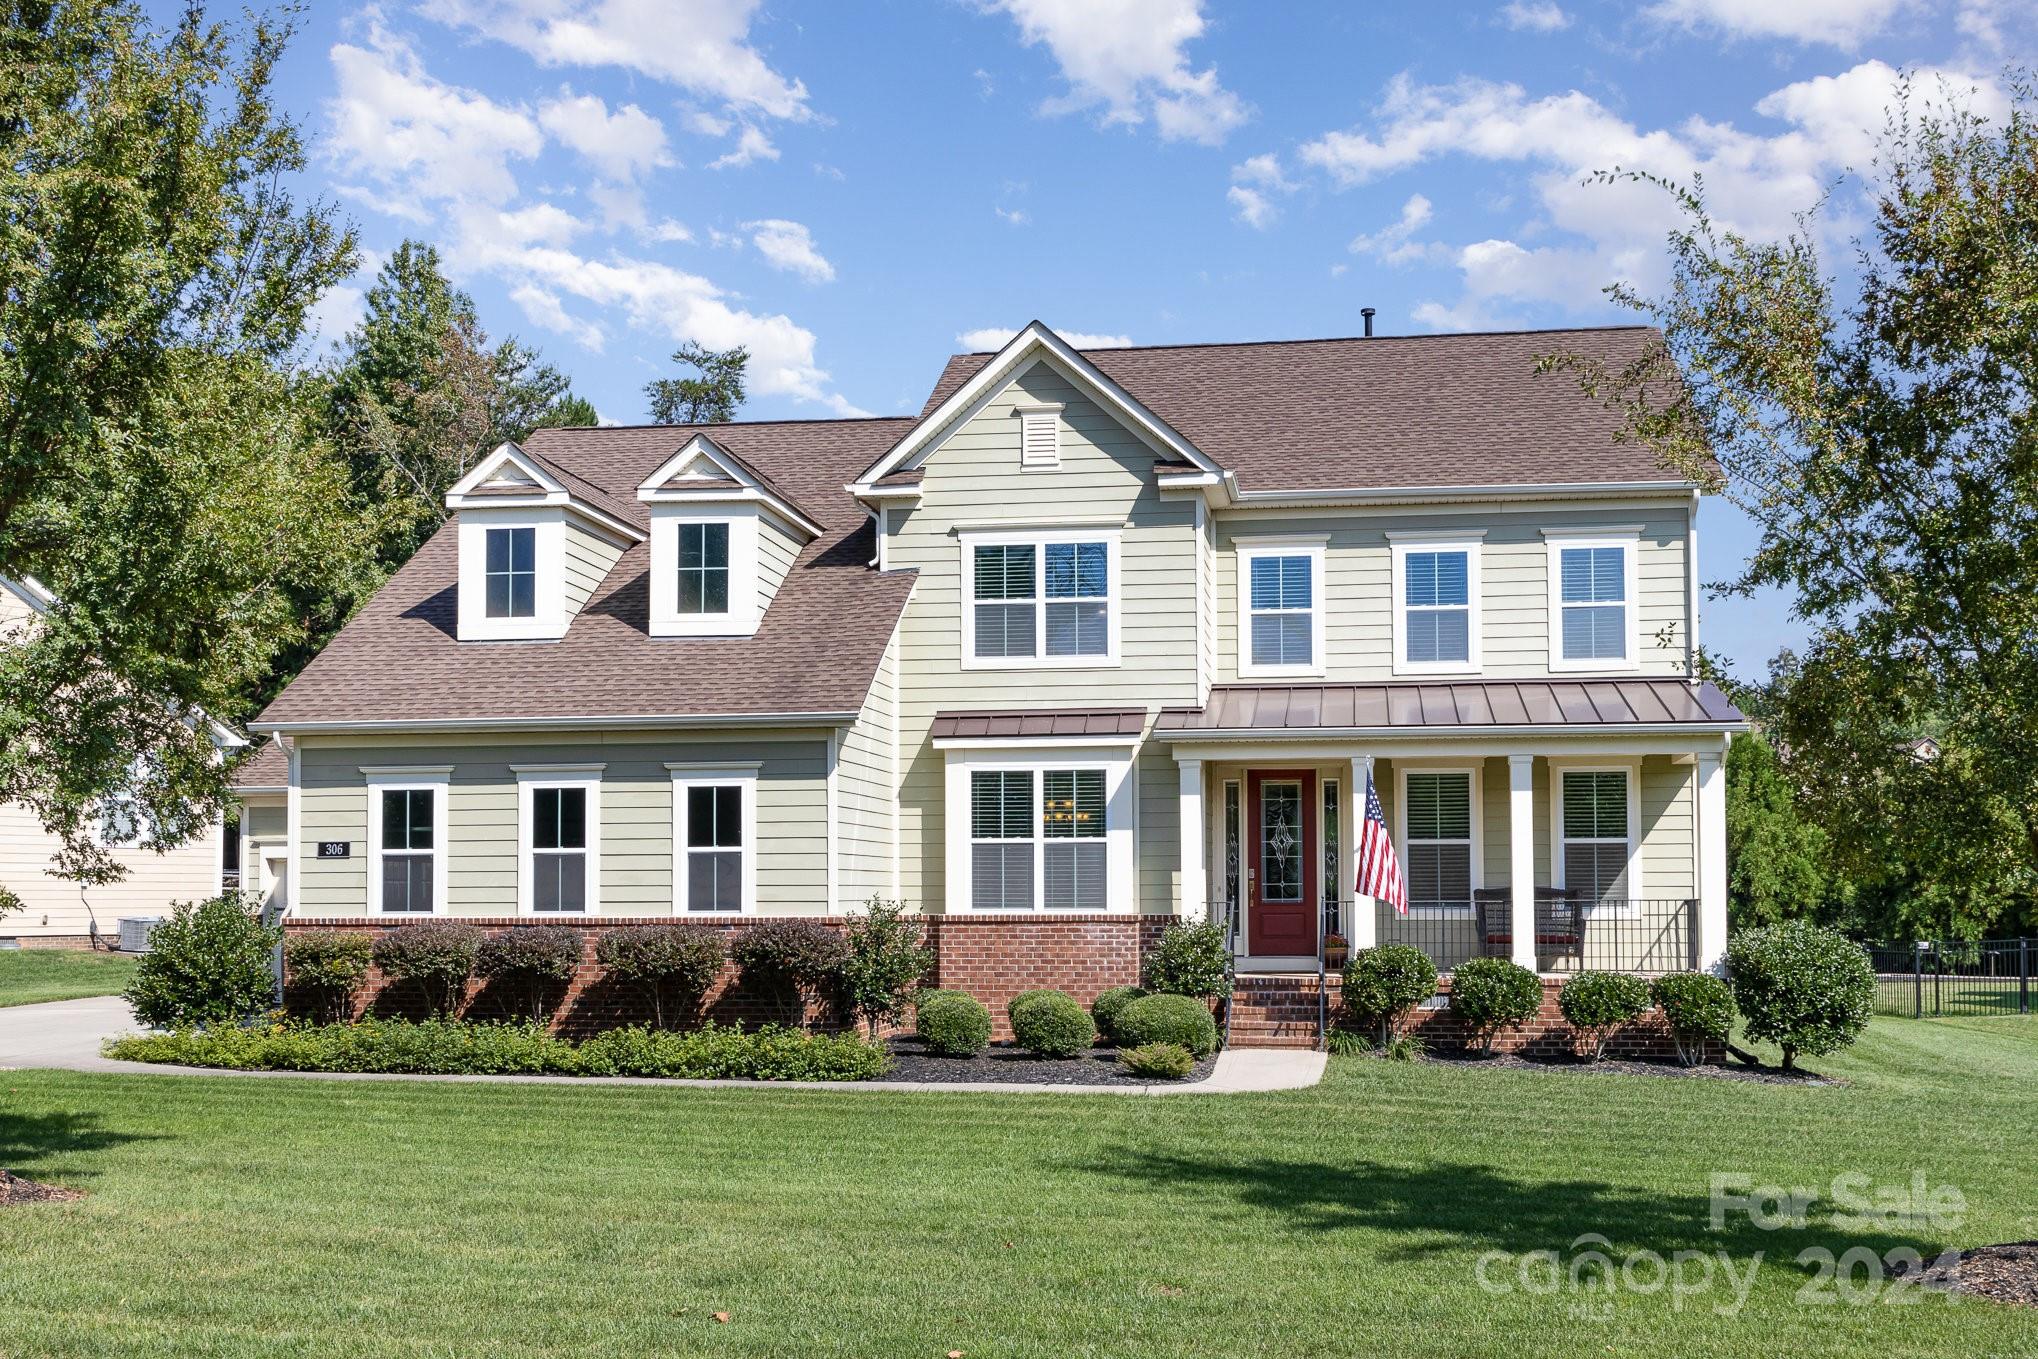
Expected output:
{"points": [[589, 558]]}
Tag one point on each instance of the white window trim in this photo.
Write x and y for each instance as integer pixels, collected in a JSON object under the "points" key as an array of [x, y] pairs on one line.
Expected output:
{"points": [[1039, 539], [548, 620], [438, 781], [1629, 541], [1631, 768], [1030, 414], [743, 614], [1121, 884], [1471, 544], [1473, 774], [1249, 550], [531, 778], [741, 775]]}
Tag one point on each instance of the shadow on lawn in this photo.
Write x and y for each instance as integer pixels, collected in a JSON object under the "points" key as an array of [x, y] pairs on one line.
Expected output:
{"points": [[27, 1140], [1448, 1208]]}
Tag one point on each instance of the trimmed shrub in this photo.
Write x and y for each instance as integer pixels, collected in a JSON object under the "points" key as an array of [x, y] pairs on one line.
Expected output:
{"points": [[436, 954], [1158, 1061], [885, 962], [1026, 998], [1596, 1004], [673, 965], [1493, 995], [1801, 986], [791, 961], [952, 1024], [1384, 985], [715, 1052], [1053, 1025], [211, 962], [1189, 960], [1698, 1007], [327, 967], [1109, 1002], [533, 961], [1167, 1018]]}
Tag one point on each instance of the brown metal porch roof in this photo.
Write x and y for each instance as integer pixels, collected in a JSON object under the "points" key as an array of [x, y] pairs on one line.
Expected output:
{"points": [[1473, 704], [975, 726]]}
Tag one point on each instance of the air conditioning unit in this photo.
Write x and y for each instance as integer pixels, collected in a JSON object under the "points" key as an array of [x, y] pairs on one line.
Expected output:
{"points": [[135, 932]]}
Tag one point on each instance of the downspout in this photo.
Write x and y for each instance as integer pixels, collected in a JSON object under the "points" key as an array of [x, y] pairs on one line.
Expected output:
{"points": [[1691, 590]]}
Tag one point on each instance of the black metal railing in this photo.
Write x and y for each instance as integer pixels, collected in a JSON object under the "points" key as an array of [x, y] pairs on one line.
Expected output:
{"points": [[1571, 935], [1938, 977]]}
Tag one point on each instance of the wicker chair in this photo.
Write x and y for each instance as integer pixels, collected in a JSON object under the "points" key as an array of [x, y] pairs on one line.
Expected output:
{"points": [[1560, 923]]}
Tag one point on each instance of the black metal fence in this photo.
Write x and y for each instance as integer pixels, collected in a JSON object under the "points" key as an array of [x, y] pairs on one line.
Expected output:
{"points": [[1939, 977], [1616, 935]]}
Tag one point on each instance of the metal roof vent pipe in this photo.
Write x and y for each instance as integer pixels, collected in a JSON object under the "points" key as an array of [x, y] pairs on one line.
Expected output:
{"points": [[1367, 312]]}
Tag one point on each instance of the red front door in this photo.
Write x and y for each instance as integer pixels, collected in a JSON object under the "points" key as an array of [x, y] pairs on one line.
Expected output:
{"points": [[1281, 858]]}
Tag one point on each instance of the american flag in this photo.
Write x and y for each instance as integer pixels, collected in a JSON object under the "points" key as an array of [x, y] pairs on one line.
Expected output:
{"points": [[1379, 870]]}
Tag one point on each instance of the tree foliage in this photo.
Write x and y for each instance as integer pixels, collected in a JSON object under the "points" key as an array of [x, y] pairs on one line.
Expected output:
{"points": [[1876, 424], [160, 469], [1776, 858], [712, 398]]}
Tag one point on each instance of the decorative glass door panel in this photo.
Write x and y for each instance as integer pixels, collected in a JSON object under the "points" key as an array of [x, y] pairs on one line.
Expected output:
{"points": [[1283, 849]]}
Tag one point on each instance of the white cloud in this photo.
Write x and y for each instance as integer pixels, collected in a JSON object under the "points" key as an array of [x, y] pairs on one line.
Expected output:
{"points": [[1392, 243], [545, 309], [789, 246], [1128, 56], [1254, 208], [996, 337], [622, 145], [1837, 23], [1011, 216], [702, 46], [1534, 16], [708, 124], [1254, 182], [1264, 169], [751, 146]]}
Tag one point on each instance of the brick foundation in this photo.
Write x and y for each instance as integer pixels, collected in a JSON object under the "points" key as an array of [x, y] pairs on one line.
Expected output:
{"points": [[80, 942], [993, 957]]}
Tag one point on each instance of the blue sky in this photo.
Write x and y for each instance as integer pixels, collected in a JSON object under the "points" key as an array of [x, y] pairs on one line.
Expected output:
{"points": [[855, 190]]}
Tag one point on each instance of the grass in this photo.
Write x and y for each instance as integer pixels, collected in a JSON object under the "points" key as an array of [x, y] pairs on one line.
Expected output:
{"points": [[31, 976], [309, 1218]]}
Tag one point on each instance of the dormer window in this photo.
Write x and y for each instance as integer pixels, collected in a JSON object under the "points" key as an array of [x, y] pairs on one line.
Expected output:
{"points": [[703, 569], [512, 572]]}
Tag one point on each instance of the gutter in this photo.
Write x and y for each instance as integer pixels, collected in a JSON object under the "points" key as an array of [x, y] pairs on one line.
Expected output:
{"points": [[1388, 495], [624, 722]]}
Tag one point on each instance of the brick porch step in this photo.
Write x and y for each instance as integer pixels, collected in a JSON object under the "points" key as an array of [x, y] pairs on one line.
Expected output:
{"points": [[1274, 1010]]}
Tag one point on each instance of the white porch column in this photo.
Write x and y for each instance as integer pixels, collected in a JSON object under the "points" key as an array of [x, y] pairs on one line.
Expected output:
{"points": [[1521, 856], [1194, 830], [1712, 860], [1361, 931]]}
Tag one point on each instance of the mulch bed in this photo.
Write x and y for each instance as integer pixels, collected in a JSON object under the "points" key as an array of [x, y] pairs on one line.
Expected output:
{"points": [[2006, 1273], [14, 1189], [1620, 1067], [1007, 1063]]}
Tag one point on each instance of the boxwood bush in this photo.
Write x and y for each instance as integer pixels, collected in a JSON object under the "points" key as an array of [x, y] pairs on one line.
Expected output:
{"points": [[1801, 986], [952, 1024], [1596, 1004], [1382, 986], [535, 963], [1109, 1003], [325, 970], [1025, 998], [211, 962], [1158, 1061], [1698, 1007], [438, 955], [714, 1052], [1053, 1025], [1492, 995], [674, 966], [1183, 1020], [1189, 960]]}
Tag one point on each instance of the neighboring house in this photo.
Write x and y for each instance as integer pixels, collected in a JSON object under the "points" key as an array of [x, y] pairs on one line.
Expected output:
{"points": [[60, 913], [1100, 639]]}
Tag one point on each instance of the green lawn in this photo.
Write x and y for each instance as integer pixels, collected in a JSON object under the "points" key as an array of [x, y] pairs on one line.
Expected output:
{"points": [[30, 976], [297, 1217]]}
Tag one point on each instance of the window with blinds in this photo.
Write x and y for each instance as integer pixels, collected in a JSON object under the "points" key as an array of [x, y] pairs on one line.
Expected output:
{"points": [[1282, 608], [1046, 599], [1005, 587], [1438, 820], [1002, 839], [1596, 833], [1592, 588], [1073, 864], [1437, 604], [1038, 839], [1078, 588]]}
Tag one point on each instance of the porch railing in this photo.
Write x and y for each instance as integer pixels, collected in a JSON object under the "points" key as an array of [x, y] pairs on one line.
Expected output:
{"points": [[1571, 935]]}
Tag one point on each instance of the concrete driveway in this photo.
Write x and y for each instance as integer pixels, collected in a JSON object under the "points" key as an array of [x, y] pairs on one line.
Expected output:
{"points": [[66, 1033]]}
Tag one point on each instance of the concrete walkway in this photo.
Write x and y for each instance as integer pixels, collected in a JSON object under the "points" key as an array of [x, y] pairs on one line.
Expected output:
{"points": [[66, 1035]]}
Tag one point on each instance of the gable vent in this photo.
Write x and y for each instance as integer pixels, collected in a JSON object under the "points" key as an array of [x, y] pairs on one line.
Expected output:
{"points": [[1040, 436]]}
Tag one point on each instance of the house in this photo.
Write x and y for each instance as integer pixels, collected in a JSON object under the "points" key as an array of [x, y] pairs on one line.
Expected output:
{"points": [[60, 913], [1100, 639]]}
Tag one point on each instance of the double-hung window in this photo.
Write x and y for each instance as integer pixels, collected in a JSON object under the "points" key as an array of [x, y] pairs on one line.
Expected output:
{"points": [[1038, 838], [406, 840], [1436, 616], [1592, 604], [1597, 824], [715, 840], [512, 573], [560, 867], [1046, 601], [1437, 832], [1073, 860], [1281, 608], [1001, 839], [703, 568]]}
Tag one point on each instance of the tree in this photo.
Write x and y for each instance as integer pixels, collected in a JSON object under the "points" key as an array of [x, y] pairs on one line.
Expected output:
{"points": [[1878, 431], [158, 466], [713, 398], [1776, 860]]}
